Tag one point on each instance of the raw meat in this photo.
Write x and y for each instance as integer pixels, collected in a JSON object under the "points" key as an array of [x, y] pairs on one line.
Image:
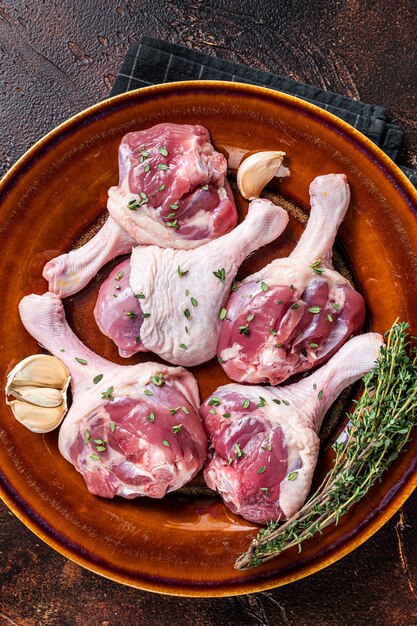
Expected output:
{"points": [[172, 192], [118, 313], [264, 439], [180, 293], [131, 430], [296, 312]]}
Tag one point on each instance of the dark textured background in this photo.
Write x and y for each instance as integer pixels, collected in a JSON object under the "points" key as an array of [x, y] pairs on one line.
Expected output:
{"points": [[59, 56]]}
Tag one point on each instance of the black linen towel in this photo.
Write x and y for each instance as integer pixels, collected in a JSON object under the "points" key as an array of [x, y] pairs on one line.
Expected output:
{"points": [[152, 62]]}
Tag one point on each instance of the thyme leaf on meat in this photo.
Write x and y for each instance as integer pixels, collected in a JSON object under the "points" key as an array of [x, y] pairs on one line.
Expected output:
{"points": [[377, 431], [108, 395], [181, 272], [220, 274], [158, 379]]}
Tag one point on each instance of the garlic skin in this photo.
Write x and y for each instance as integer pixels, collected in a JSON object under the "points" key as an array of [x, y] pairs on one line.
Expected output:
{"points": [[256, 171], [39, 385]]}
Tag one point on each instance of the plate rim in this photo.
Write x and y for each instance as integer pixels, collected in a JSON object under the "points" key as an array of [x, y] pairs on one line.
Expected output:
{"points": [[33, 520]]}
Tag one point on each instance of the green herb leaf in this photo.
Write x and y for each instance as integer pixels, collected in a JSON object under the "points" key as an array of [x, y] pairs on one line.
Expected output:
{"points": [[223, 313], [151, 417], [163, 151], [295, 305], [220, 274], [262, 469], [244, 330], [180, 272], [95, 457], [140, 296], [264, 286], [112, 426], [165, 443], [81, 361], [108, 395], [176, 428], [158, 379], [315, 267], [131, 314], [148, 392], [246, 403], [187, 313], [87, 437], [185, 410], [239, 453], [314, 309], [214, 401], [183, 346], [293, 476], [194, 301], [97, 378], [162, 166], [261, 402]]}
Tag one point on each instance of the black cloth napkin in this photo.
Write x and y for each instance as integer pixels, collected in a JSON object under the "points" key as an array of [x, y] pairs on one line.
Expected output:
{"points": [[152, 61]]}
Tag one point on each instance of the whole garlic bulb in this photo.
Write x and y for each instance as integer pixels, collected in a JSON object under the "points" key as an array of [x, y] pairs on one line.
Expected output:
{"points": [[39, 385], [256, 171]]}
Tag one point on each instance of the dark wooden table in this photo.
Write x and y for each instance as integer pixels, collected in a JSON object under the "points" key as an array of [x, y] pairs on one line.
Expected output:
{"points": [[59, 56]]}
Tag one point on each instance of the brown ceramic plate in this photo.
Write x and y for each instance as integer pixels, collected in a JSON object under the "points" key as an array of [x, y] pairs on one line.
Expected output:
{"points": [[53, 197]]}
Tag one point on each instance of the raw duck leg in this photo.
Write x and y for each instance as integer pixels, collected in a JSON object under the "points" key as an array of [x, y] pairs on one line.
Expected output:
{"points": [[69, 273], [295, 313], [131, 430], [172, 192], [264, 439], [180, 293]]}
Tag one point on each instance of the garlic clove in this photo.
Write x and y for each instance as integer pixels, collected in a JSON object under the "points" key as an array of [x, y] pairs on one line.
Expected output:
{"points": [[39, 383], [256, 171], [39, 370], [41, 396], [38, 419]]}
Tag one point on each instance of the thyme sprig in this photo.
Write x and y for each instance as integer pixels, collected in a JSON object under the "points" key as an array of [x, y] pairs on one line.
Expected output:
{"points": [[377, 431]]}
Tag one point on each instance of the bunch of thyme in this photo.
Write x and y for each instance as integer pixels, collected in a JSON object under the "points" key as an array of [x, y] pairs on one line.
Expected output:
{"points": [[377, 431]]}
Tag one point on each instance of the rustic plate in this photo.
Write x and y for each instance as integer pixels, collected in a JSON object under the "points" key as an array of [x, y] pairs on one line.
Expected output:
{"points": [[53, 197]]}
